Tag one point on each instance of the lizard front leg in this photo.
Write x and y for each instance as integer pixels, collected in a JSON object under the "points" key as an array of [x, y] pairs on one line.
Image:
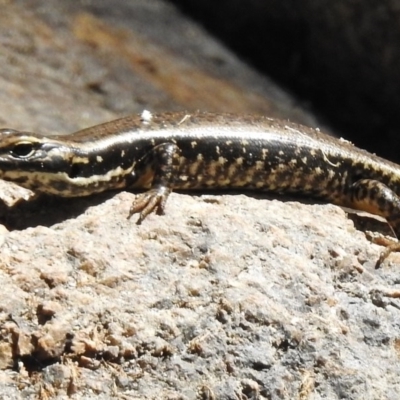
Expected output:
{"points": [[156, 169]]}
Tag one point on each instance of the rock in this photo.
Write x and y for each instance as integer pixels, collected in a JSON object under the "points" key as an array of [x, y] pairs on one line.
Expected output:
{"points": [[257, 295], [341, 57]]}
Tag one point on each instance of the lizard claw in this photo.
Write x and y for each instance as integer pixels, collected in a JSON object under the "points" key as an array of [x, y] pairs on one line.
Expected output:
{"points": [[391, 244], [146, 203], [385, 253]]}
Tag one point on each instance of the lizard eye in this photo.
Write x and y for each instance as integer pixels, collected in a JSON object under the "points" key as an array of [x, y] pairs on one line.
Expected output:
{"points": [[22, 149]]}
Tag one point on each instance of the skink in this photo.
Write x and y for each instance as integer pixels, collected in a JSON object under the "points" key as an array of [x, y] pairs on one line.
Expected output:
{"points": [[202, 151]]}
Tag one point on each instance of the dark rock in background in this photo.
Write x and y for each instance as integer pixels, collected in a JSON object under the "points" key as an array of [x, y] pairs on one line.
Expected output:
{"points": [[342, 57]]}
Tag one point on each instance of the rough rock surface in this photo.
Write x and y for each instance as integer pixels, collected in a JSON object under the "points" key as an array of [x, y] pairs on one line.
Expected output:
{"points": [[227, 296]]}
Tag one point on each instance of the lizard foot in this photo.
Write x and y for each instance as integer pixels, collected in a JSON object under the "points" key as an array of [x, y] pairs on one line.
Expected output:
{"points": [[390, 243], [148, 202]]}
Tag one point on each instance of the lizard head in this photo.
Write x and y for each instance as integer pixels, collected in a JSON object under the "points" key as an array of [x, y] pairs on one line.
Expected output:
{"points": [[31, 152], [25, 157]]}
